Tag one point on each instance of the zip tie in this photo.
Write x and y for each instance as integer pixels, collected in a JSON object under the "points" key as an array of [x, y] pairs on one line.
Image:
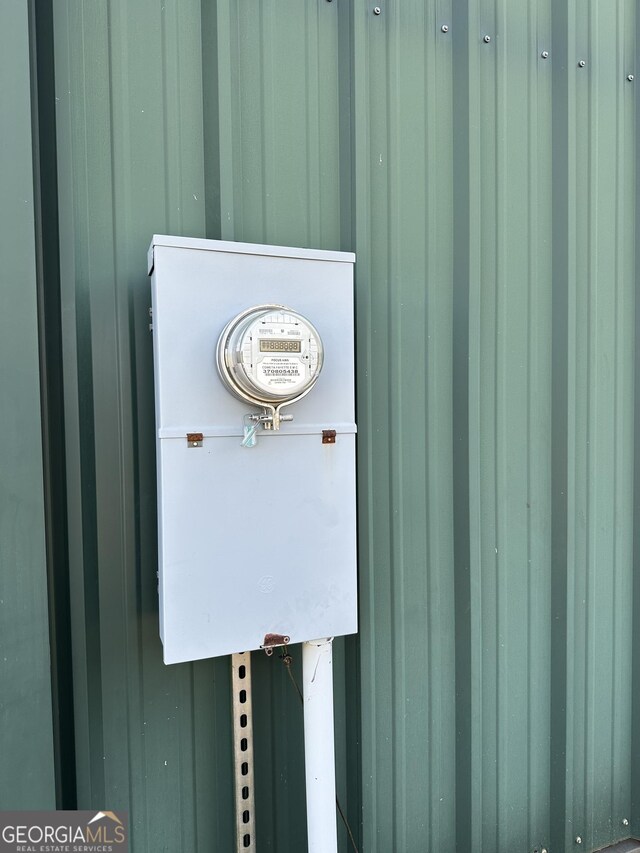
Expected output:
{"points": [[249, 439]]}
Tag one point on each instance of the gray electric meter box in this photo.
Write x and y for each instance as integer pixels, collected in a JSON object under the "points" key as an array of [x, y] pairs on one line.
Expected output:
{"points": [[254, 386]]}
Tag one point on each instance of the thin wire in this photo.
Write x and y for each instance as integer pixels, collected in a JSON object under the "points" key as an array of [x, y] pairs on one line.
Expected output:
{"points": [[346, 823], [287, 659]]}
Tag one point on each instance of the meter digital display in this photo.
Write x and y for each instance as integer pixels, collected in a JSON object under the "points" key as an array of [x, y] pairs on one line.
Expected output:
{"points": [[270, 345], [269, 354]]}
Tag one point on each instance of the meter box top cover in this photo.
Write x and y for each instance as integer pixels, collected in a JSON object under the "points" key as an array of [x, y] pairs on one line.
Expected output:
{"points": [[254, 388]]}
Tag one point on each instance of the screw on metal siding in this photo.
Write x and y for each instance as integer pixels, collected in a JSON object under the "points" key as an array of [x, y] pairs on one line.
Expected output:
{"points": [[377, 10], [544, 850], [487, 39], [581, 64], [578, 840], [545, 54], [444, 28], [630, 78], [625, 822]]}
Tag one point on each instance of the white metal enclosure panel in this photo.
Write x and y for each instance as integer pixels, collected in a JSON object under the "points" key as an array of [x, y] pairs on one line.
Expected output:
{"points": [[261, 540], [196, 292], [252, 543]]}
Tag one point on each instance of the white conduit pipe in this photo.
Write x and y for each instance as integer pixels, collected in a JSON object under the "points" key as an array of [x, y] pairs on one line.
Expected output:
{"points": [[319, 751]]}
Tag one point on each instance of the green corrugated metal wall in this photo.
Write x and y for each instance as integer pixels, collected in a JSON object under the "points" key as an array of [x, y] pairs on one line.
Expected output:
{"points": [[27, 778], [490, 703]]}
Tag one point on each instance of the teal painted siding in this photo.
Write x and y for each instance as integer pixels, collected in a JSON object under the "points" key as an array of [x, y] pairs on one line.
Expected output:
{"points": [[27, 777], [403, 165], [490, 702], [601, 291]]}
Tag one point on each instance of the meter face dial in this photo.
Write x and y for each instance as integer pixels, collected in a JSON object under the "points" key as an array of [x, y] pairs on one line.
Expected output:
{"points": [[270, 354]]}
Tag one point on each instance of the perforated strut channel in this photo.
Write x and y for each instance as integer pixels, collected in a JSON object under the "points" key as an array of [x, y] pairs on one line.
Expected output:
{"points": [[243, 752]]}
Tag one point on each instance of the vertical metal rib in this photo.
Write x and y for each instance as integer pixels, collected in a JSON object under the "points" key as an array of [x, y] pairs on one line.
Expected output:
{"points": [[243, 752]]}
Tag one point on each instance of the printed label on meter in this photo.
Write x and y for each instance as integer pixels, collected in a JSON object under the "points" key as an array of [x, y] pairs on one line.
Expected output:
{"points": [[283, 374]]}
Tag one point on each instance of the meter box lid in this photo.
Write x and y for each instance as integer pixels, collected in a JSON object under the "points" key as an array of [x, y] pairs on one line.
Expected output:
{"points": [[255, 539]]}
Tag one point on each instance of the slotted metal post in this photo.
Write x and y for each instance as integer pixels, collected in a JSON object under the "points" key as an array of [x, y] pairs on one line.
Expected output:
{"points": [[243, 752]]}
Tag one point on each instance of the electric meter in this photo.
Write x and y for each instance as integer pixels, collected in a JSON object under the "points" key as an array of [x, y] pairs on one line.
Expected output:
{"points": [[269, 355]]}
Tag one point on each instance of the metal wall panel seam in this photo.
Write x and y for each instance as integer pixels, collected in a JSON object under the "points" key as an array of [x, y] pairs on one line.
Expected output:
{"points": [[312, 126], [634, 235], [480, 613], [440, 684], [621, 739], [562, 120], [539, 424], [269, 66], [591, 344], [501, 41], [361, 153], [392, 26], [466, 714], [573, 818], [224, 83]]}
